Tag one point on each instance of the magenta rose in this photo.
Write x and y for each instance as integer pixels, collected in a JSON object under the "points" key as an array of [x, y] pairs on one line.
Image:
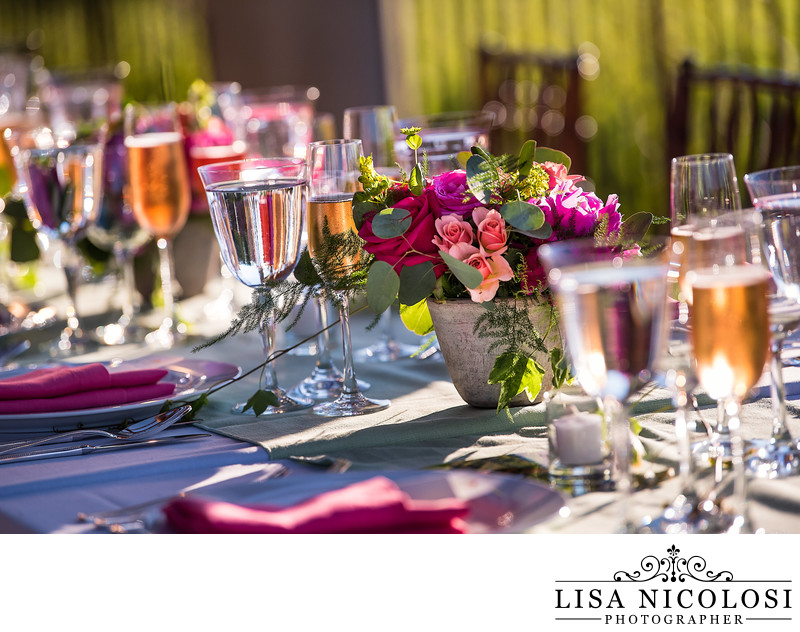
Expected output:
{"points": [[452, 193], [412, 247]]}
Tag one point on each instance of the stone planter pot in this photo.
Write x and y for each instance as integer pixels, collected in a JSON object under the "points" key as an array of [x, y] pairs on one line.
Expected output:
{"points": [[468, 358]]}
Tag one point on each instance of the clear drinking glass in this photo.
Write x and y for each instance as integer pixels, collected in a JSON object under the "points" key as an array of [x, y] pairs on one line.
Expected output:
{"points": [[160, 195], [257, 208], [775, 192], [730, 330], [444, 135], [377, 127], [333, 180], [702, 187], [60, 180], [611, 308]]}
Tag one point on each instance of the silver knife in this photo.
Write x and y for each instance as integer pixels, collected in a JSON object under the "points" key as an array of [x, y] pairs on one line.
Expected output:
{"points": [[89, 449]]}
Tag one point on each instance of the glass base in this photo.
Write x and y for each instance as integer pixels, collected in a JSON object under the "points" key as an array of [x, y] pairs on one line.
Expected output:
{"points": [[351, 404], [385, 351], [323, 384], [705, 453], [691, 514], [286, 404], [772, 459], [119, 333]]}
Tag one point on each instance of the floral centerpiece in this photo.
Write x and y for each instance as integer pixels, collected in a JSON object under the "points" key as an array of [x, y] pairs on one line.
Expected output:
{"points": [[473, 233]]}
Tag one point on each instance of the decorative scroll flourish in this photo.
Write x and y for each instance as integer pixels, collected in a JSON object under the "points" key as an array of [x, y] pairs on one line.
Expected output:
{"points": [[673, 569]]}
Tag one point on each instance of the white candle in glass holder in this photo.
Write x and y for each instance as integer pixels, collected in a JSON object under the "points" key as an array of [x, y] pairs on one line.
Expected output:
{"points": [[579, 439]]}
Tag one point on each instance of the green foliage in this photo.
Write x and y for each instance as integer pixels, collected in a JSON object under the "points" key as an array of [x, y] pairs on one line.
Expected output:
{"points": [[260, 401], [417, 317]]}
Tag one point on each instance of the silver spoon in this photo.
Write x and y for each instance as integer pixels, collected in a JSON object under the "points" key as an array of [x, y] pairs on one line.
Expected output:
{"points": [[136, 431]]}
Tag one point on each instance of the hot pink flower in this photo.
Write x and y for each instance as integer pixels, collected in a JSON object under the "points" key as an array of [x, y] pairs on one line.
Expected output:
{"points": [[492, 235], [451, 231], [451, 192]]}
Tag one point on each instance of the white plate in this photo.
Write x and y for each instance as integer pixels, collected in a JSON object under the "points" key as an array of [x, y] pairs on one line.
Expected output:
{"points": [[498, 503], [190, 376]]}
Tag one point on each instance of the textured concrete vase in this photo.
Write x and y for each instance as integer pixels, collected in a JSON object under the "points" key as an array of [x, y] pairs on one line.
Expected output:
{"points": [[468, 358]]}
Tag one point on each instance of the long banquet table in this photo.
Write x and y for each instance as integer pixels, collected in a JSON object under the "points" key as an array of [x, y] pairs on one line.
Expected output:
{"points": [[427, 426]]}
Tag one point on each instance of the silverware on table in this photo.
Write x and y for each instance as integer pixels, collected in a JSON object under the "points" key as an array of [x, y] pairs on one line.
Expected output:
{"points": [[89, 449], [136, 431]]}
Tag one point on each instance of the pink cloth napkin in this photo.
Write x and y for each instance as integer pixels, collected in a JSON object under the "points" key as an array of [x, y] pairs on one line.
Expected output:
{"points": [[78, 387], [376, 505]]}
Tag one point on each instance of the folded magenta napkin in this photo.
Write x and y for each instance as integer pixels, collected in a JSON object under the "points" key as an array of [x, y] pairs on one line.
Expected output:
{"points": [[376, 505], [77, 387]]}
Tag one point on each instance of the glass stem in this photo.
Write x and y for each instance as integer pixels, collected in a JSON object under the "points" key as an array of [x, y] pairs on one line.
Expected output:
{"points": [[733, 408], [617, 418], [269, 378], [686, 469], [324, 361], [167, 291], [349, 385], [125, 263], [778, 391], [386, 326], [72, 273]]}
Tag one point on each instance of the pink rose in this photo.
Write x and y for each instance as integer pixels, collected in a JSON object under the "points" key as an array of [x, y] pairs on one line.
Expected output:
{"points": [[452, 193], [492, 235], [494, 269], [451, 231], [412, 247], [558, 174]]}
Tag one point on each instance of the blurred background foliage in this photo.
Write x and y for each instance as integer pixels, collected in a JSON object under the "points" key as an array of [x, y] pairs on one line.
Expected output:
{"points": [[632, 49]]}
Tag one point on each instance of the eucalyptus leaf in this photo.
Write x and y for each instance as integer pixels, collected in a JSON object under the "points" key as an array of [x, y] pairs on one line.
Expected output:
{"points": [[391, 222], [361, 208], [416, 181], [545, 154], [523, 215], [527, 156], [382, 286], [260, 401], [417, 317], [634, 228], [480, 178], [414, 141], [469, 276], [416, 283]]}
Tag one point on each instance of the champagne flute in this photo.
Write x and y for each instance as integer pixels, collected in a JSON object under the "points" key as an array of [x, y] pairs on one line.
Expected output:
{"points": [[257, 208], [333, 180], [611, 306], [702, 187], [160, 195], [60, 180], [730, 331], [377, 127]]}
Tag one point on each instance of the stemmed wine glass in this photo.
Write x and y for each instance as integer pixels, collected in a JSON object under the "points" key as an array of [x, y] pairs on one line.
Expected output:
{"points": [[60, 180], [257, 208], [333, 180], [730, 328], [702, 187], [377, 127], [160, 195], [611, 306], [775, 192], [75, 101]]}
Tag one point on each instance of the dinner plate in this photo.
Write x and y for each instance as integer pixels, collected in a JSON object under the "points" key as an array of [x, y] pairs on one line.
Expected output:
{"points": [[190, 376], [498, 503]]}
